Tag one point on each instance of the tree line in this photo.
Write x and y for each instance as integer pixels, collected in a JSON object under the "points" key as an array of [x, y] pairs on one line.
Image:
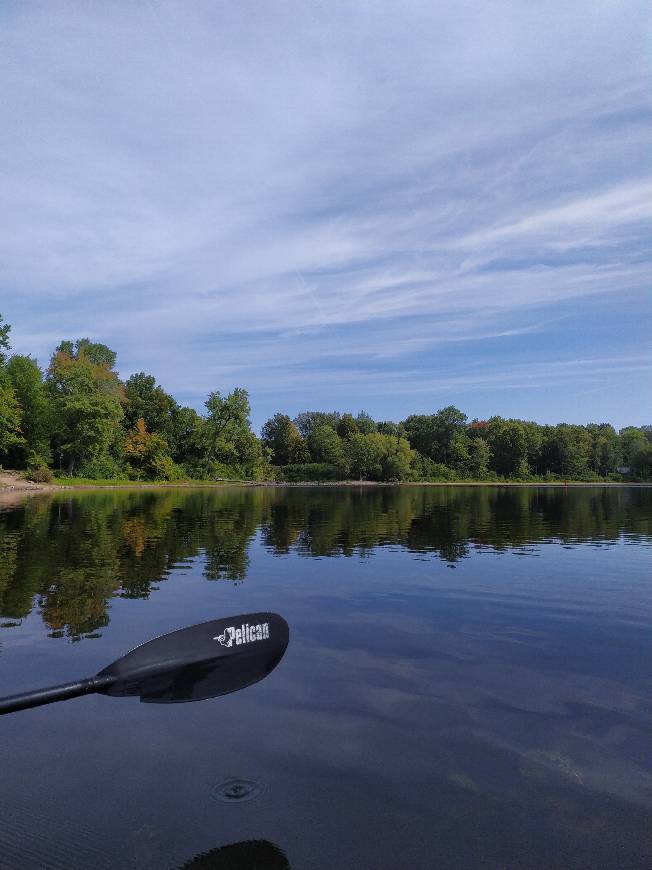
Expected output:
{"points": [[79, 418]]}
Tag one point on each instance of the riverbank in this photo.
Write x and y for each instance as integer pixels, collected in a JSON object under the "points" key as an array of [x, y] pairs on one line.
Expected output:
{"points": [[16, 483]]}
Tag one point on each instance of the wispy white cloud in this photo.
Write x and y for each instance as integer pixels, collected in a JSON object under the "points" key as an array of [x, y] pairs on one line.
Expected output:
{"points": [[580, 222], [216, 189]]}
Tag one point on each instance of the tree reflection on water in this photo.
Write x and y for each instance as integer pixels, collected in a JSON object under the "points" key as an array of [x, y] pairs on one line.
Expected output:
{"points": [[66, 556]]}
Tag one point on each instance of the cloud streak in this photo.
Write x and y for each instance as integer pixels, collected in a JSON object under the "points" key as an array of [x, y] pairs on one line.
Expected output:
{"points": [[336, 195]]}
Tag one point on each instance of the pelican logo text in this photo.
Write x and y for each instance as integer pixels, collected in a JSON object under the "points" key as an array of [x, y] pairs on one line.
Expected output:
{"points": [[245, 634]]}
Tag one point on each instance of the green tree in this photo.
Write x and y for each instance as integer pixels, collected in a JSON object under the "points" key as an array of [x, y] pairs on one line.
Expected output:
{"points": [[10, 414], [433, 434], [308, 421], [387, 427], [396, 456], [449, 424], [325, 445], [421, 433], [5, 345], [364, 455], [479, 459], [458, 452], [534, 441], [631, 439], [508, 443], [87, 402], [365, 423], [282, 437], [347, 426], [146, 400], [227, 433], [569, 451], [11, 436], [185, 436], [606, 454], [641, 459], [26, 378], [375, 456]]}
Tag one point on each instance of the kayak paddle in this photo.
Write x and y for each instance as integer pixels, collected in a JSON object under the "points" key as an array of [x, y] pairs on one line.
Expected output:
{"points": [[191, 664]]}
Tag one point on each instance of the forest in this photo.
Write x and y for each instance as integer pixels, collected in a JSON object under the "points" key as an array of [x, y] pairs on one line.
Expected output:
{"points": [[78, 419]]}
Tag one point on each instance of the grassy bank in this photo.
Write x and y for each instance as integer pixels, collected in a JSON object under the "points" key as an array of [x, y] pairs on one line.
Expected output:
{"points": [[15, 481], [91, 483], [88, 483]]}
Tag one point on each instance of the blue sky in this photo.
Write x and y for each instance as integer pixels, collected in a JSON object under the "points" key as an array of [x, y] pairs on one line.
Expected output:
{"points": [[388, 206]]}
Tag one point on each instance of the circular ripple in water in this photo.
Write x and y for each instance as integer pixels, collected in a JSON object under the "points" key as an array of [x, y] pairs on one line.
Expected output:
{"points": [[236, 790]]}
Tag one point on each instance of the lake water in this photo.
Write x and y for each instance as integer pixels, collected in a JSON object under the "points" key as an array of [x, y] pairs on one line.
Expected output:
{"points": [[467, 682]]}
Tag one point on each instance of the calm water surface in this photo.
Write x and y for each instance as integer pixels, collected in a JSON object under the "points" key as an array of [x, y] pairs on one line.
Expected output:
{"points": [[467, 682]]}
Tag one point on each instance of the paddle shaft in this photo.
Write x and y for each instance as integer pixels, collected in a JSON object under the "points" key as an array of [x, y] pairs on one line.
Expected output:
{"points": [[54, 693]]}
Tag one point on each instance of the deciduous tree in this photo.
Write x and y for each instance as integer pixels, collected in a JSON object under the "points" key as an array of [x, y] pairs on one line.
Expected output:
{"points": [[433, 434], [147, 453], [364, 456], [227, 432], [307, 421], [569, 451], [5, 345], [282, 437], [347, 426], [365, 423], [87, 400], [10, 413], [479, 459], [325, 445], [26, 378], [146, 400], [509, 444]]}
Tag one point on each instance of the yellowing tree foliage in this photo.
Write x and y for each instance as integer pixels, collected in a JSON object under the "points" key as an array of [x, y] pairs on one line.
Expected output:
{"points": [[147, 453]]}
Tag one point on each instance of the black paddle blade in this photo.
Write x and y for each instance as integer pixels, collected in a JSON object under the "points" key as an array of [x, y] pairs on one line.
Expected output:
{"points": [[203, 661]]}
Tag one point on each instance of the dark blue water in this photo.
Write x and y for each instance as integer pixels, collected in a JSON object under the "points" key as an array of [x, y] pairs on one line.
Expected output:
{"points": [[467, 682]]}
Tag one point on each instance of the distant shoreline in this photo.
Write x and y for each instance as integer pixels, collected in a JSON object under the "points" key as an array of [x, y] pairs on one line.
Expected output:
{"points": [[14, 484]]}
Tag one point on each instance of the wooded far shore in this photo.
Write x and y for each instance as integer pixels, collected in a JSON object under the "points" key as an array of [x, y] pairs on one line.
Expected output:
{"points": [[79, 420]]}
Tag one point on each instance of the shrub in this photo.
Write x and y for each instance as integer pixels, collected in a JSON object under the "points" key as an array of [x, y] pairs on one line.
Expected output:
{"points": [[310, 471], [213, 470], [40, 474], [164, 468], [265, 471], [437, 471], [428, 470], [103, 467]]}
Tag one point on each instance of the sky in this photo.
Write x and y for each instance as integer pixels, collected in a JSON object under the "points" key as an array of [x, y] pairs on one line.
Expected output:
{"points": [[388, 206]]}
